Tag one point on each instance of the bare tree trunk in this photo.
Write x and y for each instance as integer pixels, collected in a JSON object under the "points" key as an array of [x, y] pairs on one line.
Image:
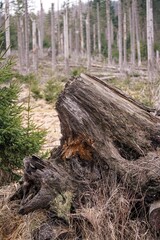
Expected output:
{"points": [[137, 33], [66, 41], [88, 38], [150, 38], [112, 33], [109, 30], [81, 28], [120, 33], [77, 37], [133, 53], [26, 36], [157, 58], [41, 31], [21, 49], [125, 39], [58, 31], [98, 30], [71, 41], [34, 45], [7, 29], [94, 38], [53, 38]]}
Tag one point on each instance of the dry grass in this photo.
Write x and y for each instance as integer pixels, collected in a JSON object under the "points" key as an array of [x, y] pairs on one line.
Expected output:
{"points": [[109, 219], [12, 225], [105, 215]]}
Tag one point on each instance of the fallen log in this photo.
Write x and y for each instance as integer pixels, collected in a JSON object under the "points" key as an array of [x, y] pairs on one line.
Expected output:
{"points": [[103, 131]]}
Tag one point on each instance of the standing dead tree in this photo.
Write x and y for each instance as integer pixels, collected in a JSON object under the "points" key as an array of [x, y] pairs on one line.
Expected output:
{"points": [[26, 36], [103, 132], [7, 28], [150, 38], [53, 37]]}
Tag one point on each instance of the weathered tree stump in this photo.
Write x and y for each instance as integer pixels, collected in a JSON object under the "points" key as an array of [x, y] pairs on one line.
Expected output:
{"points": [[103, 131]]}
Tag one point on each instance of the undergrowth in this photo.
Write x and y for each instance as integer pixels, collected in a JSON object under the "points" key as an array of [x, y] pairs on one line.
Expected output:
{"points": [[52, 89]]}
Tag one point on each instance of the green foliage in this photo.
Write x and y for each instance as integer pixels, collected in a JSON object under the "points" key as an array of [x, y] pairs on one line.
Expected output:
{"points": [[36, 91], [16, 141], [5, 70], [52, 90], [157, 46], [77, 71], [143, 47]]}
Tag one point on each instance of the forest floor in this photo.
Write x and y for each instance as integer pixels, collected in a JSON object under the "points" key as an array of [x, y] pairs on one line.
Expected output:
{"points": [[44, 116]]}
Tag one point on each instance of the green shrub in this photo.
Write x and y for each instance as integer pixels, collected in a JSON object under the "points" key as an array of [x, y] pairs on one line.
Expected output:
{"points": [[52, 90], [35, 89], [77, 71], [16, 141]]}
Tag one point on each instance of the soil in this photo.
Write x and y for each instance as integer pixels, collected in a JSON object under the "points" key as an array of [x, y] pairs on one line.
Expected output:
{"points": [[44, 116]]}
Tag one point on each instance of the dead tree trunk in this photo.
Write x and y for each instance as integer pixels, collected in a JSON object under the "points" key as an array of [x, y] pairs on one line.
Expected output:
{"points": [[88, 38], [103, 132], [137, 33], [7, 28], [26, 36], [81, 28], [94, 38], [41, 31], [109, 31], [125, 39], [120, 33], [98, 30], [20, 34], [66, 40], [34, 46], [53, 37], [133, 52], [150, 38]]}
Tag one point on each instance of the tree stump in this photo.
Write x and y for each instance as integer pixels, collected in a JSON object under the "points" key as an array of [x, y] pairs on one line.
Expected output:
{"points": [[103, 131]]}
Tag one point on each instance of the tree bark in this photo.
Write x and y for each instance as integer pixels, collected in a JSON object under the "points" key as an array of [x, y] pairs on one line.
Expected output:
{"points": [[98, 31], [120, 33], [58, 31], [76, 37], [66, 40], [125, 39], [20, 42], [137, 33], [150, 38], [81, 28], [133, 52], [7, 29], [94, 38], [109, 31], [26, 36], [41, 31], [88, 38], [34, 45], [53, 38]]}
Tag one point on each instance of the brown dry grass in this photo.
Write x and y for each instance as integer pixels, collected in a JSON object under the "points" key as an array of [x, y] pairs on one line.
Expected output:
{"points": [[109, 219], [12, 225], [106, 216]]}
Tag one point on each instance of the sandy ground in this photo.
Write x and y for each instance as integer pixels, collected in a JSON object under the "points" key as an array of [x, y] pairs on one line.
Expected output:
{"points": [[44, 116]]}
